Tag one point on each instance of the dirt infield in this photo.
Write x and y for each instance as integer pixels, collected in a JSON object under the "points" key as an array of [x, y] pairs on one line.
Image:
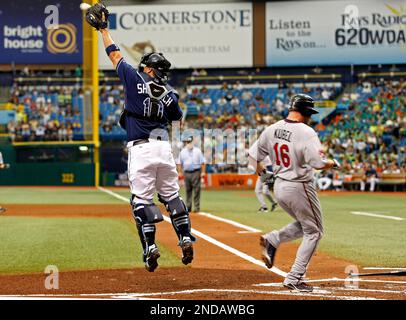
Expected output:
{"points": [[64, 211], [216, 273]]}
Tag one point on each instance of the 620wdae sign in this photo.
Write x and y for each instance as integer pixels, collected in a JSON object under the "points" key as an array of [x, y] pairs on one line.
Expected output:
{"points": [[356, 32]]}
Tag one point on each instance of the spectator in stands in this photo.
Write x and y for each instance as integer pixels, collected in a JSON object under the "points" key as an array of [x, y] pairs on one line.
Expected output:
{"points": [[226, 86], [325, 94], [78, 71], [282, 85], [393, 168], [40, 132], [11, 128], [371, 176], [207, 101], [62, 133], [279, 105], [338, 179], [70, 132], [204, 90], [107, 127], [238, 86], [259, 96], [234, 101], [246, 95], [221, 101], [25, 71], [21, 116], [25, 131], [324, 180]]}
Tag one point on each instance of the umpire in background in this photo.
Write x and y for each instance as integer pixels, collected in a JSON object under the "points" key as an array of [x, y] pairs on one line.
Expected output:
{"points": [[192, 166]]}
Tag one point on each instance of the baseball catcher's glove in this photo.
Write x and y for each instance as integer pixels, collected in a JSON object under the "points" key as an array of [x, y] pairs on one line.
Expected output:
{"points": [[97, 16]]}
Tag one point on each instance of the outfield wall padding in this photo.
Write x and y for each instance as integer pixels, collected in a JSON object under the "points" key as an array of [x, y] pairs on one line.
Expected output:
{"points": [[53, 172]]}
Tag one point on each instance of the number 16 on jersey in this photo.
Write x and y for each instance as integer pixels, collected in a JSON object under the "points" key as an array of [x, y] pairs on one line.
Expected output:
{"points": [[282, 153]]}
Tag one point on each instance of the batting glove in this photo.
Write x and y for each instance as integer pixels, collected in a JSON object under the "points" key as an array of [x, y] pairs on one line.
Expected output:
{"points": [[267, 177], [336, 165]]}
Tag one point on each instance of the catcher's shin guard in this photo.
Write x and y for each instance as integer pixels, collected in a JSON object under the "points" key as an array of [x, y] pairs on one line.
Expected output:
{"points": [[179, 217], [146, 230]]}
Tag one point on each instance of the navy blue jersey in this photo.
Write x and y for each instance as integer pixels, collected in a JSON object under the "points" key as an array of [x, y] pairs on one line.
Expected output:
{"points": [[150, 110]]}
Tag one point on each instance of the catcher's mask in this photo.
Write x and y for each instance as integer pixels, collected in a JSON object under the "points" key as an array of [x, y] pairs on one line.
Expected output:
{"points": [[158, 63], [304, 104]]}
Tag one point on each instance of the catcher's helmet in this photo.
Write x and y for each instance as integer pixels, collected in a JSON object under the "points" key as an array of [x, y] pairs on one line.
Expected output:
{"points": [[158, 63], [302, 103]]}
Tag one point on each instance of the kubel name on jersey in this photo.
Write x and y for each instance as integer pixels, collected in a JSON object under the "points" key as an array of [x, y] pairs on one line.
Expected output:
{"points": [[283, 134], [142, 89]]}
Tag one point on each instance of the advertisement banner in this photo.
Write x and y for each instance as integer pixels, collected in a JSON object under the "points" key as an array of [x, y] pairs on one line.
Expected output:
{"points": [[201, 35], [40, 32], [230, 180], [335, 32]]}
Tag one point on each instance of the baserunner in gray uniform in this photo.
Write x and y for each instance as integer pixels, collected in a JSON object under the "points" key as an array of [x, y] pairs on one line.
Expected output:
{"points": [[295, 151]]}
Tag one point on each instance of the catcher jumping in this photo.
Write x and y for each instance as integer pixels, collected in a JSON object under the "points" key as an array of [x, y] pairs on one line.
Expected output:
{"points": [[150, 106]]}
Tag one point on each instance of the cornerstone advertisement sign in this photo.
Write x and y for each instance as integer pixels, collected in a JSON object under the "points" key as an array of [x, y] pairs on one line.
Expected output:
{"points": [[201, 35], [336, 32], [40, 32]]}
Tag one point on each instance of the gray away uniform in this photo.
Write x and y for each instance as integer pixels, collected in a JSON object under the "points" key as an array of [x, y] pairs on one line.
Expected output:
{"points": [[295, 150]]}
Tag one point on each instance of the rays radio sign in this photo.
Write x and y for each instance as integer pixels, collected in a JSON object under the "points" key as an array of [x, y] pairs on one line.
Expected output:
{"points": [[41, 36]]}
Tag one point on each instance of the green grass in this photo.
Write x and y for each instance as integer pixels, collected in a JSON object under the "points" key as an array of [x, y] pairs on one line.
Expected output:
{"points": [[49, 195], [30, 244]]}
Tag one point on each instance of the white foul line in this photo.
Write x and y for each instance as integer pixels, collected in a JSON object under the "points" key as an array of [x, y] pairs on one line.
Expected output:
{"points": [[234, 223], [211, 240], [66, 297], [339, 280], [278, 285], [360, 213], [143, 296], [383, 268], [115, 195], [282, 293]]}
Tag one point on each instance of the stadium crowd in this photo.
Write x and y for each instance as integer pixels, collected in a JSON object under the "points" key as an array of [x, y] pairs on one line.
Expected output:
{"points": [[367, 131], [45, 113], [236, 105], [369, 137], [111, 104]]}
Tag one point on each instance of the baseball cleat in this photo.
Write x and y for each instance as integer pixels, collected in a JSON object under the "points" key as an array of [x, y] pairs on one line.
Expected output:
{"points": [[263, 209], [301, 287], [2, 210], [268, 252], [151, 260], [274, 205], [187, 250]]}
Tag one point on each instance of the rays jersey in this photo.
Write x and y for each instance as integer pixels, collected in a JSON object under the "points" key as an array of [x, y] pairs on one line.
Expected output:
{"points": [[149, 106]]}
